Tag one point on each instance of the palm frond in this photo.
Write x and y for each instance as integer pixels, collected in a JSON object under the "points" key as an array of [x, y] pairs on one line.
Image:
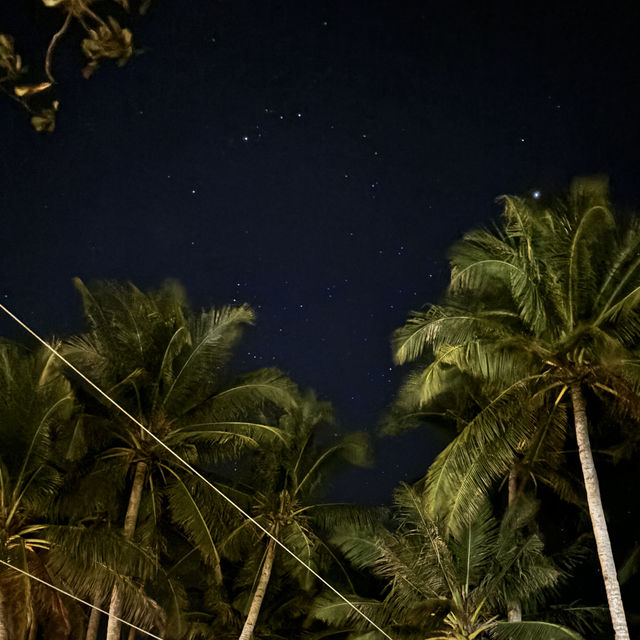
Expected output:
{"points": [[345, 517], [250, 393], [474, 547], [187, 514], [533, 630], [336, 612], [359, 546], [484, 451], [584, 620], [440, 325], [212, 337]]}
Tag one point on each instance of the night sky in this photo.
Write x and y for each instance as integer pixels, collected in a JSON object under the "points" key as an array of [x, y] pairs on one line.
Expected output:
{"points": [[315, 159]]}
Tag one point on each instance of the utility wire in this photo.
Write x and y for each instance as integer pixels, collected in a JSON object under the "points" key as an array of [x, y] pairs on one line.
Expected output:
{"points": [[70, 595], [197, 473]]}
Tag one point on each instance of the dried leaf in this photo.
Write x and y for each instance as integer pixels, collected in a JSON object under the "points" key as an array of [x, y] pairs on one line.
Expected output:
{"points": [[6, 45], [29, 89], [45, 121], [107, 42], [9, 61], [88, 69], [25, 90]]}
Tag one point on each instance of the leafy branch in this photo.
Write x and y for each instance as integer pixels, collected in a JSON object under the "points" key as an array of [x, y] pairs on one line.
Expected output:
{"points": [[104, 39]]}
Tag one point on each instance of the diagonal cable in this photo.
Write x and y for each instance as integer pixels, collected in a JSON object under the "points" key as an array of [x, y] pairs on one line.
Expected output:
{"points": [[70, 595], [196, 472]]}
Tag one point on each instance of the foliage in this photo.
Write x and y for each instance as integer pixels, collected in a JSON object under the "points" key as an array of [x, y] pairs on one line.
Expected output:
{"points": [[104, 39], [284, 496], [532, 307], [169, 367], [36, 404], [540, 309], [545, 301], [445, 585]]}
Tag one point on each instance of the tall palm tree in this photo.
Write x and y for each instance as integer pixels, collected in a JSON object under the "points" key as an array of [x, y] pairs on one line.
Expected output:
{"points": [[541, 308], [282, 492], [169, 368], [36, 403], [439, 392], [457, 399]]}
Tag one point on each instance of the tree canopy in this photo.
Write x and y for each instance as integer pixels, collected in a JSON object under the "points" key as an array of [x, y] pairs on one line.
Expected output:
{"points": [[30, 79], [531, 357]]}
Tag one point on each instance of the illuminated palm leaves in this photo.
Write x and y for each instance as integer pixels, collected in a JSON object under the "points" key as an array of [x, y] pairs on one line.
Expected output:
{"points": [[550, 296], [444, 585], [282, 494], [35, 405], [170, 369]]}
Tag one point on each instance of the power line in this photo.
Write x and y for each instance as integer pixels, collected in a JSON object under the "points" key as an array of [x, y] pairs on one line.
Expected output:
{"points": [[196, 472], [70, 595]]}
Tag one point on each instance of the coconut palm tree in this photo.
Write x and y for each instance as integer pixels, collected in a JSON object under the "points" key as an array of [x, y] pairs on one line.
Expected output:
{"points": [[169, 368], [281, 488], [541, 309], [36, 404], [444, 586], [539, 459], [454, 401]]}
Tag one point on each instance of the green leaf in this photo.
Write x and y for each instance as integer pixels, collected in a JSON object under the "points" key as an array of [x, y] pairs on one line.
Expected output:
{"points": [[532, 630]]}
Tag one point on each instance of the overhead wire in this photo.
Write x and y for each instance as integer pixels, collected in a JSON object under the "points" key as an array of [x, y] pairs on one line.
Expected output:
{"points": [[193, 470]]}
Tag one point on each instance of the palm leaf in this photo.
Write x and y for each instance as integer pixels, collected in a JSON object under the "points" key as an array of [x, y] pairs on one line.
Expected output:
{"points": [[189, 516], [212, 336], [336, 612], [533, 630]]}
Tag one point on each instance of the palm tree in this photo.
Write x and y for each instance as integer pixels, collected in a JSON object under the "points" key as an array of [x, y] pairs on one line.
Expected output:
{"points": [[36, 404], [439, 392], [89, 555], [457, 399], [541, 309], [442, 585], [169, 368], [282, 491]]}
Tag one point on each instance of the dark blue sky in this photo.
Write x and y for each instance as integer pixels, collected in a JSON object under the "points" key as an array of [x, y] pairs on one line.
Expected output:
{"points": [[315, 159]]}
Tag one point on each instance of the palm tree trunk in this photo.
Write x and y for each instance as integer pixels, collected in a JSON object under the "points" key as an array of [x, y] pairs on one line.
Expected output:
{"points": [[258, 596], [94, 624], [598, 521], [514, 610], [130, 519], [4, 618]]}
